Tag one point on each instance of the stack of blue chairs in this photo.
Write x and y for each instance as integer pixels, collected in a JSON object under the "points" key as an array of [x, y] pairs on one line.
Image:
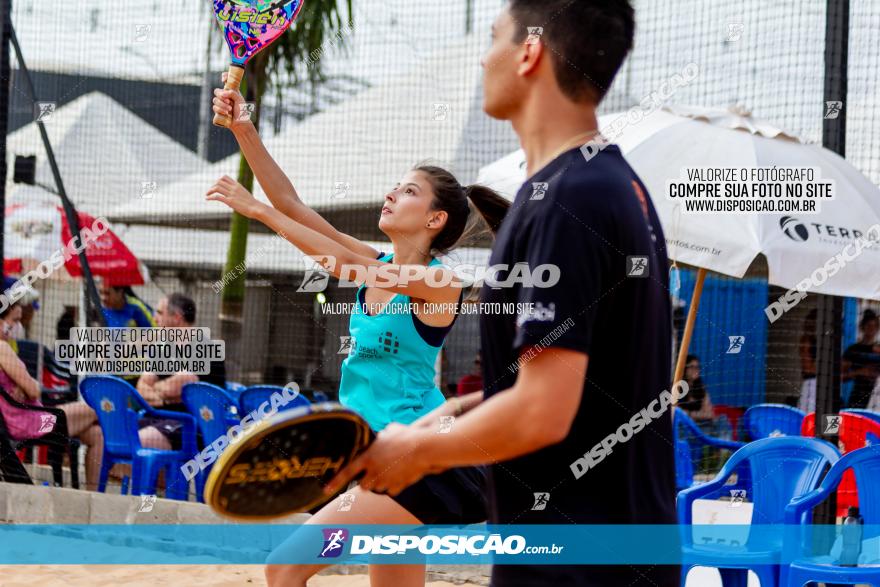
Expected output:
{"points": [[781, 469], [215, 411], [119, 408], [865, 463], [689, 443]]}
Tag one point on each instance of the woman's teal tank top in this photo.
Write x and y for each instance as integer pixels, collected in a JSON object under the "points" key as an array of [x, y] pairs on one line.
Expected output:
{"points": [[389, 373]]}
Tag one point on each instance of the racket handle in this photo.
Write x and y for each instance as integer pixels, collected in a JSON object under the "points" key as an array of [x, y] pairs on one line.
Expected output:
{"points": [[233, 82]]}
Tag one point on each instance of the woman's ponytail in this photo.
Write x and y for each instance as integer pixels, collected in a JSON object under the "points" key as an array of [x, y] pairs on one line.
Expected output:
{"points": [[489, 203]]}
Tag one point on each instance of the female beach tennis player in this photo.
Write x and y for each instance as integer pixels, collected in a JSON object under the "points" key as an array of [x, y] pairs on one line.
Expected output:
{"points": [[398, 326]]}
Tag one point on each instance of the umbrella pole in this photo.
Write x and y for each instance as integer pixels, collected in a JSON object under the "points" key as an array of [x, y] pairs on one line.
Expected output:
{"points": [[689, 327]]}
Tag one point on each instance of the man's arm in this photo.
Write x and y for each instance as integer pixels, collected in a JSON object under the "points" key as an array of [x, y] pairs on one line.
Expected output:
{"points": [[454, 406], [536, 412], [170, 389], [145, 387]]}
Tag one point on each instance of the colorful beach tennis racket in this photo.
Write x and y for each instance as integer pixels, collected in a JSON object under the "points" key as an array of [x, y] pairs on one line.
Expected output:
{"points": [[249, 26], [281, 465]]}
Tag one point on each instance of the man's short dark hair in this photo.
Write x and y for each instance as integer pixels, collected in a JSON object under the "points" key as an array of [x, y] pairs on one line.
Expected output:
{"points": [[184, 305], [587, 40]]}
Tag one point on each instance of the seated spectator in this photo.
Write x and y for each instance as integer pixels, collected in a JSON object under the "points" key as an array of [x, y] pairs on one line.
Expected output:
{"points": [[122, 308], [472, 381], [66, 321], [164, 391], [697, 402], [17, 382], [81, 421], [861, 362], [49, 424], [29, 303]]}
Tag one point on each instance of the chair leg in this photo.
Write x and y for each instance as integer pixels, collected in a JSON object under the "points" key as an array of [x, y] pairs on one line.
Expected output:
{"points": [[55, 458], [685, 569], [768, 575], [735, 577], [144, 475], [106, 465], [73, 450], [10, 466], [176, 485]]}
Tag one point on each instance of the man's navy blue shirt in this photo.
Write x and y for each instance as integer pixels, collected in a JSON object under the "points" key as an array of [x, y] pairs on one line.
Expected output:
{"points": [[594, 220]]}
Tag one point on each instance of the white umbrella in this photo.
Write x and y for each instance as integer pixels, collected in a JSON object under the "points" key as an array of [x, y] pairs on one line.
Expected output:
{"points": [[661, 145]]}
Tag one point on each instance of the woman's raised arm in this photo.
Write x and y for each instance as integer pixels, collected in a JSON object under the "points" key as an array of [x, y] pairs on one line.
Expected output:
{"points": [[278, 187]]}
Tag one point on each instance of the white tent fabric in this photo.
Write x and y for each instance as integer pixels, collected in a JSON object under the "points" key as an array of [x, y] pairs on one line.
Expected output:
{"points": [[664, 143], [346, 147], [102, 165]]}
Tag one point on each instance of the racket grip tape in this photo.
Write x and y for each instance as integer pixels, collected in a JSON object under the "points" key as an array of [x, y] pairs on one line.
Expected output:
{"points": [[233, 82]]}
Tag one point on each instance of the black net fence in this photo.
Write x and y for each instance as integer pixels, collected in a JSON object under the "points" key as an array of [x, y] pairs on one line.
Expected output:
{"points": [[125, 99]]}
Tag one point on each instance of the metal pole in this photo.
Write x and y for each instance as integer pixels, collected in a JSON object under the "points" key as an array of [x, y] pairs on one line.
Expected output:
{"points": [[69, 210], [205, 113], [830, 308], [5, 81]]}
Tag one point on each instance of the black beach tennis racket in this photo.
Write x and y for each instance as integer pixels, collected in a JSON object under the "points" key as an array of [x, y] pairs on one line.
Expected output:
{"points": [[281, 465]]}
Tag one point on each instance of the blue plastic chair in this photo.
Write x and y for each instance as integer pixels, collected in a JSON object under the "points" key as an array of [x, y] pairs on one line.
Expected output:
{"points": [[214, 411], [119, 408], [251, 399], [689, 443], [235, 387], [781, 469], [320, 397], [865, 464], [866, 413], [769, 420]]}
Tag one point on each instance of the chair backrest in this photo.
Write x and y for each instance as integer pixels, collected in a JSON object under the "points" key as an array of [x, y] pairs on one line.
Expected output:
{"points": [[210, 406], [684, 465], [55, 370], [252, 397], [864, 463], [770, 420], [855, 430], [319, 396], [684, 430], [866, 413], [29, 353], [784, 468], [733, 414], [235, 387], [689, 443], [117, 404]]}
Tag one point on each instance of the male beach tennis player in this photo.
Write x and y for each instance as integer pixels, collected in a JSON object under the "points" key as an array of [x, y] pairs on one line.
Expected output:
{"points": [[594, 350]]}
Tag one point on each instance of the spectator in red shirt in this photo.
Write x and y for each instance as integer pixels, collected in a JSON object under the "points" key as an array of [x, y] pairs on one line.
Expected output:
{"points": [[472, 381]]}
